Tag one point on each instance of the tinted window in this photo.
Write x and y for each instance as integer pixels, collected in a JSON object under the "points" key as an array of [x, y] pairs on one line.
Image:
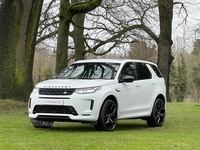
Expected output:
{"points": [[142, 71], [158, 73], [129, 69]]}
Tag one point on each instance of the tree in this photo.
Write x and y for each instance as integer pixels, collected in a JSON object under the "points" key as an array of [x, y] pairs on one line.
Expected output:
{"points": [[140, 50], [164, 41], [139, 26], [196, 80], [48, 24], [44, 65], [196, 49], [78, 36], [196, 68], [181, 86], [173, 81], [67, 11], [18, 29], [138, 22]]}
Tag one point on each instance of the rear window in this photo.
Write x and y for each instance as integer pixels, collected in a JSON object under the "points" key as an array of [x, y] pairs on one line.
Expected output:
{"points": [[143, 71], [156, 70]]}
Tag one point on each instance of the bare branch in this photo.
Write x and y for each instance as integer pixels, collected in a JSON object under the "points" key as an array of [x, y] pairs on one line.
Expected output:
{"points": [[184, 9], [47, 36]]}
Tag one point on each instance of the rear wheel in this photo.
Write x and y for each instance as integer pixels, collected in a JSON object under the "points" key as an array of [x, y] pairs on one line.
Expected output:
{"points": [[41, 124], [108, 116], [157, 117]]}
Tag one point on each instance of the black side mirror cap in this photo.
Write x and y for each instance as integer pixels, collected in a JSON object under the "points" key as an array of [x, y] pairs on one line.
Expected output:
{"points": [[127, 79]]}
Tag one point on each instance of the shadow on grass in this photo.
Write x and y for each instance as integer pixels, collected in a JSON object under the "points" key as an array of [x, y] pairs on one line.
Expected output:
{"points": [[131, 126], [78, 127]]}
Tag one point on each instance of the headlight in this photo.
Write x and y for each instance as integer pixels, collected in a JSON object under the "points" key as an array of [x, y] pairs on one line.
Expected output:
{"points": [[87, 90], [35, 90]]}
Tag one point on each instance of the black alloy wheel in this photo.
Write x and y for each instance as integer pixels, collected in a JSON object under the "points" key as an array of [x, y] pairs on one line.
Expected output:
{"points": [[108, 117], [157, 117]]}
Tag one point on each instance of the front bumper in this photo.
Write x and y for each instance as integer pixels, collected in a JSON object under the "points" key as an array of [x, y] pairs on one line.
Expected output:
{"points": [[75, 107]]}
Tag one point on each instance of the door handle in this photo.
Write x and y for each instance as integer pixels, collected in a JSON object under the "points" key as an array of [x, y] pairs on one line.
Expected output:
{"points": [[138, 85], [118, 90]]}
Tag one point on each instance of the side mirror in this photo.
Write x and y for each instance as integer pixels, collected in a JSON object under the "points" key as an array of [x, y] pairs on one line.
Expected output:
{"points": [[127, 79]]}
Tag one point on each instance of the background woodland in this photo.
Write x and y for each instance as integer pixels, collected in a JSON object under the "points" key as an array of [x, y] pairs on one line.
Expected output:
{"points": [[40, 38]]}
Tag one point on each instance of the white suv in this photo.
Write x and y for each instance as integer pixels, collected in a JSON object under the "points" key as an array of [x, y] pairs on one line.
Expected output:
{"points": [[99, 92]]}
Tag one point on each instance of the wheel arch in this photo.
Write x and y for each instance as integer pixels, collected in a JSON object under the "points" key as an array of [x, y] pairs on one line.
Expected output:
{"points": [[112, 97], [98, 124], [159, 113], [162, 97]]}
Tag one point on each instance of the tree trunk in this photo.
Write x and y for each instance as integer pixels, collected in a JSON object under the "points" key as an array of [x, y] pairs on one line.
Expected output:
{"points": [[165, 42], [18, 29], [78, 36], [67, 11], [63, 33]]}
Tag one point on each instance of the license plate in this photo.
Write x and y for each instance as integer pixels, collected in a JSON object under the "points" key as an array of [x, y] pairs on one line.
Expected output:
{"points": [[53, 102]]}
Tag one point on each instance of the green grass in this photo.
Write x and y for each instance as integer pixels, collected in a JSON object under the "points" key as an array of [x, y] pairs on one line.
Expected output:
{"points": [[181, 131]]}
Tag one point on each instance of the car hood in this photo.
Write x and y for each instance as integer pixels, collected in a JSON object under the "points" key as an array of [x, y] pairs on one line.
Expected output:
{"points": [[73, 83]]}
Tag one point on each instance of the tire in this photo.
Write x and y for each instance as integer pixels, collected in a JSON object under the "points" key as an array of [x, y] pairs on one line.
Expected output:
{"points": [[157, 117], [107, 120], [41, 124]]}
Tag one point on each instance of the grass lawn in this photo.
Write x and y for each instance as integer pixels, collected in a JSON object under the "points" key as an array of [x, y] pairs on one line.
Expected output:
{"points": [[181, 131]]}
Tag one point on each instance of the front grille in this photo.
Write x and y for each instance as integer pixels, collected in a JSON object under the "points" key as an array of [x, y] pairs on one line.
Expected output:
{"points": [[55, 91], [54, 109]]}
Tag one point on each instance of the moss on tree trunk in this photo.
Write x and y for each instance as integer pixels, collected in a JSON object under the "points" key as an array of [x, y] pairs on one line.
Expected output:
{"points": [[18, 28]]}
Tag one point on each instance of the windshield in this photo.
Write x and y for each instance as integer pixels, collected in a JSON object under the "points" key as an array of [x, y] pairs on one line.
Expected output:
{"points": [[90, 71]]}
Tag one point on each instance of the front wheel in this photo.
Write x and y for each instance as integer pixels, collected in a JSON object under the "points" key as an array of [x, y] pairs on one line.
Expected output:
{"points": [[108, 116], [41, 124], [157, 117]]}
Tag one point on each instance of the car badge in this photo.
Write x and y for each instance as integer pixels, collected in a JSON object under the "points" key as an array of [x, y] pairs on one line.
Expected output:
{"points": [[65, 93]]}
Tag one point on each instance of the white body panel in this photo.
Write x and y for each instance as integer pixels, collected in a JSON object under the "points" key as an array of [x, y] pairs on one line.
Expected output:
{"points": [[134, 99]]}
